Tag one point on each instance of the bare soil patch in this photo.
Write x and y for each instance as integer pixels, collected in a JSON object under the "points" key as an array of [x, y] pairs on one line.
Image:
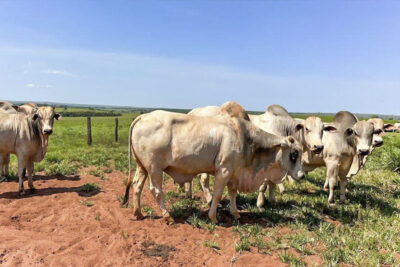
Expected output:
{"points": [[52, 227]]}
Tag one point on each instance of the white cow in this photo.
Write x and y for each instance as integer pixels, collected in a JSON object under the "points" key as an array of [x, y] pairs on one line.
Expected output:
{"points": [[239, 154], [275, 120], [344, 150], [26, 136], [7, 107]]}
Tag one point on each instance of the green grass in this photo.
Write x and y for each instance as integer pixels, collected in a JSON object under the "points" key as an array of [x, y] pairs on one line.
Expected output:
{"points": [[89, 187], [212, 244], [291, 259], [87, 203], [68, 151]]}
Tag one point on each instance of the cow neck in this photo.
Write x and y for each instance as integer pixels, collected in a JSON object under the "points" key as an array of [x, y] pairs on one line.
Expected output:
{"points": [[43, 139]]}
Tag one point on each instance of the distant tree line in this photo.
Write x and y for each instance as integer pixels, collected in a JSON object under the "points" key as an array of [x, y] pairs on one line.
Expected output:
{"points": [[90, 114]]}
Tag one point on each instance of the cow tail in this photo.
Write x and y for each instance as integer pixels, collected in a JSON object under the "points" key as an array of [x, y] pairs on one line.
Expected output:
{"points": [[129, 182]]}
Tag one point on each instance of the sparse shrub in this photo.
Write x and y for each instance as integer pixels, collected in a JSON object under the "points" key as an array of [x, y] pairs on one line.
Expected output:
{"points": [[89, 187], [291, 259]]}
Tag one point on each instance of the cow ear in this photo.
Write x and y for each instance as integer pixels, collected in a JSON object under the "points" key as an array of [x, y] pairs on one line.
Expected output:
{"points": [[388, 127], [349, 131], [299, 126], [35, 116], [329, 128], [57, 116], [15, 107]]}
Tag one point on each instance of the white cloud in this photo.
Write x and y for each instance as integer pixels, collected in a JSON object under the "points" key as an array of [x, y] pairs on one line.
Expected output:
{"points": [[39, 86], [59, 72]]}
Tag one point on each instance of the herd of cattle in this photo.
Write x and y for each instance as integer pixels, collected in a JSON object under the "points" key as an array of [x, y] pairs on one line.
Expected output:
{"points": [[246, 153]]}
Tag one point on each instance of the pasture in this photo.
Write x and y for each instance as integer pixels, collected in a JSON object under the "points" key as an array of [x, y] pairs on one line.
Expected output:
{"points": [[75, 217]]}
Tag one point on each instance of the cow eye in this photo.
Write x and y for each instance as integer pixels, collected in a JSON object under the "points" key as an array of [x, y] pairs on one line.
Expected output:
{"points": [[293, 156], [307, 130], [356, 134], [378, 131]]}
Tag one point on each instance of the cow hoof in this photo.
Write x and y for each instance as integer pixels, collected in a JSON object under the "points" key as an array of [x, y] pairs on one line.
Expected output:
{"points": [[169, 220], [236, 216], [326, 189], [213, 219], [22, 193], [331, 203], [124, 204], [261, 209], [137, 216], [32, 190]]}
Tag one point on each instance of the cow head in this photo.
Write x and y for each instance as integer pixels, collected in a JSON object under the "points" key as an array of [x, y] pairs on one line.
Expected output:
{"points": [[379, 131], [44, 119], [291, 157], [363, 133], [313, 129], [44, 116]]}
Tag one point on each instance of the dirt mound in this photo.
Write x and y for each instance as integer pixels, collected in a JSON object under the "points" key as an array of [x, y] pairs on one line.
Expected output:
{"points": [[60, 225]]}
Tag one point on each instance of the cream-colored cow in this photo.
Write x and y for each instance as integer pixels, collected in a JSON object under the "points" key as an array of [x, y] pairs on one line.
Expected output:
{"points": [[26, 136], [275, 120], [344, 151], [229, 146], [7, 107]]}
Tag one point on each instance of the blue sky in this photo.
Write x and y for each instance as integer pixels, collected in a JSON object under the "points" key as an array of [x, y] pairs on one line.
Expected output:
{"points": [[305, 55]]}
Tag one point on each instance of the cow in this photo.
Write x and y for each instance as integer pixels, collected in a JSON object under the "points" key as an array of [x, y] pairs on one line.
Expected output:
{"points": [[379, 131], [344, 151], [275, 120], [7, 107], [229, 146], [27, 137]]}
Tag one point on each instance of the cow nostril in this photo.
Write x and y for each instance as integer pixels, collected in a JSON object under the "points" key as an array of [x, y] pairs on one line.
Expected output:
{"points": [[318, 148], [363, 151], [48, 131]]}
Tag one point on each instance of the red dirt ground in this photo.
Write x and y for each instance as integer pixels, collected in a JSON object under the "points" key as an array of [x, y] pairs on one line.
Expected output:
{"points": [[53, 228]]}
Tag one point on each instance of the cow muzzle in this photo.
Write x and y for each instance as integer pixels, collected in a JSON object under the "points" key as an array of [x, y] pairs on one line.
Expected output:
{"points": [[363, 152], [378, 143], [317, 149], [47, 131]]}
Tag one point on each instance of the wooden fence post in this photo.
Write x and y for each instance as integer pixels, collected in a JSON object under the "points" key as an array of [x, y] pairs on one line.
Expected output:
{"points": [[89, 131], [116, 129]]}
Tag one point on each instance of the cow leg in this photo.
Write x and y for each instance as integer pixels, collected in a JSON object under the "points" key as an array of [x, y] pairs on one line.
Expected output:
{"points": [[188, 189], [205, 185], [138, 183], [281, 188], [6, 165], [156, 179], [261, 199], [271, 192], [332, 174], [3, 164], [232, 190], [326, 184], [221, 180], [21, 165], [290, 179], [343, 184], [29, 170]]}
